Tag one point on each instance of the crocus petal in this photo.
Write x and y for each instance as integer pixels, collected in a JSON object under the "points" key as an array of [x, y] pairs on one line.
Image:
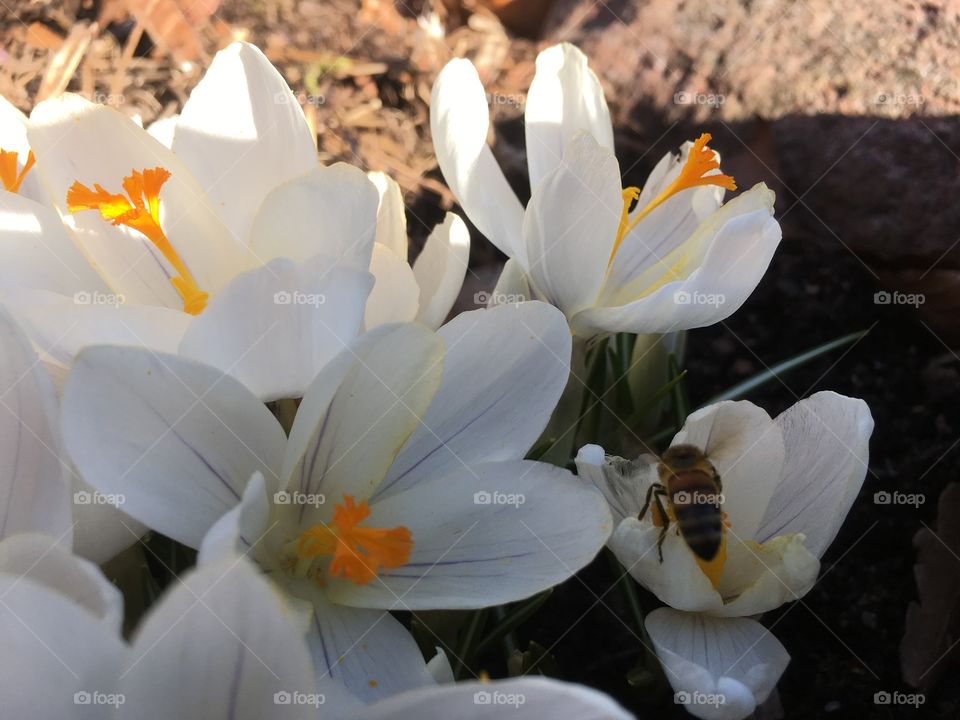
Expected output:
{"points": [[34, 489], [101, 530], [623, 483], [528, 698], [273, 328], [61, 326], [763, 577], [396, 295], [13, 138], [736, 244], [164, 129], [485, 535], [504, 372], [242, 133], [391, 214], [369, 651], [746, 448], [459, 122], [222, 644], [55, 654], [75, 140], [36, 251], [440, 268], [440, 668], [329, 210], [43, 560], [177, 440], [720, 668], [355, 434], [513, 286], [240, 530], [677, 580], [571, 224], [826, 438], [565, 98]]}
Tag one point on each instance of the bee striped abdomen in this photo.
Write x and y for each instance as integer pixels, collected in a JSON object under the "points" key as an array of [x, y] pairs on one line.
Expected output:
{"points": [[695, 499]]}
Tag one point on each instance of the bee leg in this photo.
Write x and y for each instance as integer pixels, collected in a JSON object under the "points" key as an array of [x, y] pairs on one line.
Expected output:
{"points": [[661, 492], [646, 505]]}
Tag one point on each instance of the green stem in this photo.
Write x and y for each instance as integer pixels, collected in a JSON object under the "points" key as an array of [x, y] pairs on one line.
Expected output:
{"points": [[465, 651]]}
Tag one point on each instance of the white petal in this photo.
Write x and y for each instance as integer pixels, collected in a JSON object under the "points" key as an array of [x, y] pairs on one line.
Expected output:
{"points": [[623, 483], [164, 129], [221, 644], [34, 490], [703, 281], [391, 214], [826, 438], [329, 210], [77, 141], [176, 440], [275, 327], [369, 651], [528, 698], [513, 286], [571, 224], [459, 122], [746, 448], [504, 371], [720, 668], [42, 560], [396, 295], [440, 668], [495, 533], [677, 580], [239, 531], [101, 530], [13, 138], [565, 98], [354, 436], [242, 133], [54, 654], [37, 251], [61, 326], [440, 268]]}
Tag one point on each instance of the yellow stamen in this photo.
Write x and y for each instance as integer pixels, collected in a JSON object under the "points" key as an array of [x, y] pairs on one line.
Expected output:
{"points": [[9, 176], [140, 211], [358, 553], [700, 161]]}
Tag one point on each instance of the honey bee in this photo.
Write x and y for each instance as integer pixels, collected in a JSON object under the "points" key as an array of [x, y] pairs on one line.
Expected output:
{"points": [[691, 485]]}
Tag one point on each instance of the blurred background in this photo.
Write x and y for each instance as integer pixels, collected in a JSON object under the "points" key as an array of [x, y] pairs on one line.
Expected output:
{"points": [[848, 110]]}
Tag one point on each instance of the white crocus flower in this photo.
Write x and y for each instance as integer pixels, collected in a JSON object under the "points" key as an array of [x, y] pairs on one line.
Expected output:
{"points": [[426, 290], [787, 485], [679, 260], [222, 643], [401, 485]]}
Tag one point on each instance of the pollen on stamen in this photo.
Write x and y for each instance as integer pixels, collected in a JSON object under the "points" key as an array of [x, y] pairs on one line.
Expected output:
{"points": [[139, 210], [9, 177]]}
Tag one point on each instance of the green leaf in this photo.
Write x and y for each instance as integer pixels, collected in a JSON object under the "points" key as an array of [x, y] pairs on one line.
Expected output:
{"points": [[514, 619]]}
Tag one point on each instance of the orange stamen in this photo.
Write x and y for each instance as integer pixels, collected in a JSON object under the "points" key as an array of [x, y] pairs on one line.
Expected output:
{"points": [[140, 211], [358, 553], [700, 161], [9, 176]]}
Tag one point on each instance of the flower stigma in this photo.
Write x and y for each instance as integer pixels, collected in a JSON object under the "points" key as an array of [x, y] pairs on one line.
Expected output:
{"points": [[11, 179], [357, 553], [140, 211], [700, 161]]}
